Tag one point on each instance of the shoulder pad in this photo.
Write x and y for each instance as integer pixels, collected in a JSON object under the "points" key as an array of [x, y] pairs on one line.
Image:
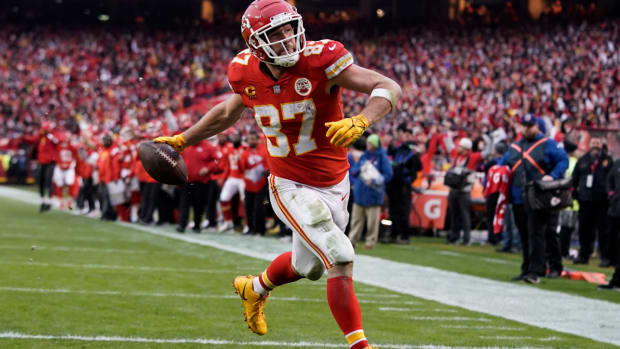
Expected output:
{"points": [[330, 55], [238, 67]]}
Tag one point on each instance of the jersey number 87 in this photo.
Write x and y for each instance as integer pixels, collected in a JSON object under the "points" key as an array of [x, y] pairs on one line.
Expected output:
{"points": [[272, 128]]}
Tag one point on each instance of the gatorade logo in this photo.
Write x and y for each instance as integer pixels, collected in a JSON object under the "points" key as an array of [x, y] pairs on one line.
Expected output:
{"points": [[432, 208]]}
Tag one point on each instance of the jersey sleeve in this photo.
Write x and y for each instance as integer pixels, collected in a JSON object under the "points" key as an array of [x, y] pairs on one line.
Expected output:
{"points": [[333, 57], [236, 69]]}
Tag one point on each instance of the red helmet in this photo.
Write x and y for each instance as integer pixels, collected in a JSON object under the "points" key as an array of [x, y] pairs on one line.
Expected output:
{"points": [[262, 16]]}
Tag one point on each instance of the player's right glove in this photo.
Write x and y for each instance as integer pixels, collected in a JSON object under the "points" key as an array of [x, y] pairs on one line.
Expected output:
{"points": [[177, 142], [344, 132]]}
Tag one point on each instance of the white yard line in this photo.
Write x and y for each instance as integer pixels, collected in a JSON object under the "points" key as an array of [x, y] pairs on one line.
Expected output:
{"points": [[497, 261], [177, 294], [450, 253], [76, 249], [121, 267], [214, 341], [405, 310], [558, 311], [61, 238], [495, 328], [520, 338], [449, 318]]}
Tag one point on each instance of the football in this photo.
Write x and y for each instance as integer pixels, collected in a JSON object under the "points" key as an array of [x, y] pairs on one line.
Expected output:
{"points": [[163, 163]]}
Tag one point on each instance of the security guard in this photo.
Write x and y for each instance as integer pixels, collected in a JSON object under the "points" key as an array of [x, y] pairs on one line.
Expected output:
{"points": [[532, 158], [590, 184]]}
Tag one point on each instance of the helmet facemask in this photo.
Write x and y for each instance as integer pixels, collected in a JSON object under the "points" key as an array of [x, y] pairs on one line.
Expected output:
{"points": [[259, 40]]}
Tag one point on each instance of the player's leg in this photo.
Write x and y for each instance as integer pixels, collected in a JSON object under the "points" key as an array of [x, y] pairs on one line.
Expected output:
{"points": [[49, 173], [259, 212], [319, 216], [59, 182], [255, 290], [41, 182], [229, 189], [340, 293], [70, 182]]}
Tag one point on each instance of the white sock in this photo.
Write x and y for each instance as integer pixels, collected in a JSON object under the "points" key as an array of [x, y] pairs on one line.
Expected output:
{"points": [[258, 288]]}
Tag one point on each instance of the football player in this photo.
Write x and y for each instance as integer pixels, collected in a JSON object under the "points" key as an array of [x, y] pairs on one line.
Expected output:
{"points": [[233, 183], [64, 172], [294, 88]]}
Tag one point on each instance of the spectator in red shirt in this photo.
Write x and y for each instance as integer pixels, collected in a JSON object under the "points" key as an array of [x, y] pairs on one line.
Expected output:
{"points": [[201, 162], [45, 145], [253, 165], [108, 169]]}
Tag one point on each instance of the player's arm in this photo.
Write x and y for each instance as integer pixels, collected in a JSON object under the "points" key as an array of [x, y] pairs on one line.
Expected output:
{"points": [[384, 94], [216, 120], [384, 91]]}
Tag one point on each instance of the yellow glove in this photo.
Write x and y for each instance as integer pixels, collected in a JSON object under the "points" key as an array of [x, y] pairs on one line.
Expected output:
{"points": [[347, 130], [177, 142]]}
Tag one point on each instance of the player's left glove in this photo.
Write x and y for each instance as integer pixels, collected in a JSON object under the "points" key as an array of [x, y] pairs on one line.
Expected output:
{"points": [[346, 131]]}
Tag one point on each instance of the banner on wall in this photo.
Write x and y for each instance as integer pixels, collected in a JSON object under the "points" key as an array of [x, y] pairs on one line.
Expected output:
{"points": [[429, 209]]}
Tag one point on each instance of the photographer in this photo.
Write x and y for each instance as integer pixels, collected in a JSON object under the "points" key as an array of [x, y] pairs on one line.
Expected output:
{"points": [[613, 190], [459, 180], [535, 157], [590, 184]]}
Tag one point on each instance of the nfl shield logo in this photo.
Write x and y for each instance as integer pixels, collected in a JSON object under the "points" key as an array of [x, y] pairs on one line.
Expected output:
{"points": [[276, 89]]}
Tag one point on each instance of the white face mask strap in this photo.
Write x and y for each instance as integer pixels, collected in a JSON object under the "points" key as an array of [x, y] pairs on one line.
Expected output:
{"points": [[383, 93]]}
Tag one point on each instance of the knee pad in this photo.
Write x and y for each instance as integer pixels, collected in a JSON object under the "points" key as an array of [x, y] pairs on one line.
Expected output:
{"points": [[338, 245], [312, 271], [316, 216]]}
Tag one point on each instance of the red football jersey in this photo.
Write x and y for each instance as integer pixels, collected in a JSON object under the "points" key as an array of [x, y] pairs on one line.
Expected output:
{"points": [[199, 157], [292, 111], [230, 161], [127, 155], [221, 173], [65, 156], [498, 180], [253, 164]]}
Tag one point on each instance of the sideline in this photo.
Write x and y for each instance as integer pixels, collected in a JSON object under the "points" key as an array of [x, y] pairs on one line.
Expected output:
{"points": [[581, 316], [213, 341]]}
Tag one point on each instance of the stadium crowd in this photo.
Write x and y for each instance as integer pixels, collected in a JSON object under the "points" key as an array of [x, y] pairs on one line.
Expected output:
{"points": [[83, 100]]}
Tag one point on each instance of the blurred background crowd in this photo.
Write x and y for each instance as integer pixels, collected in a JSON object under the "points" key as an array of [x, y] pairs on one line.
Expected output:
{"points": [[76, 99]]}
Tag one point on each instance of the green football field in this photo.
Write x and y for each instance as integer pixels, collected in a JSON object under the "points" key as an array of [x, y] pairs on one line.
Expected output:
{"points": [[74, 282]]}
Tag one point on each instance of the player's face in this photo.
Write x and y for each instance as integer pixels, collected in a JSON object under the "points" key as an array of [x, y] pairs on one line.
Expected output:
{"points": [[282, 33]]}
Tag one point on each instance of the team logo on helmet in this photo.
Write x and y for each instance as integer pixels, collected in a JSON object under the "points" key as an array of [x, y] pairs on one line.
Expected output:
{"points": [[245, 23], [303, 86]]}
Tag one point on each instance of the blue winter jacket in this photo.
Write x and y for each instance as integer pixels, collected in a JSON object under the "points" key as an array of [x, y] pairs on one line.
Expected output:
{"points": [[552, 158], [372, 195]]}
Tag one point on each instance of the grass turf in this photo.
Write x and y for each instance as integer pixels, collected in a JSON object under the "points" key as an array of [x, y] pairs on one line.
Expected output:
{"points": [[90, 278]]}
